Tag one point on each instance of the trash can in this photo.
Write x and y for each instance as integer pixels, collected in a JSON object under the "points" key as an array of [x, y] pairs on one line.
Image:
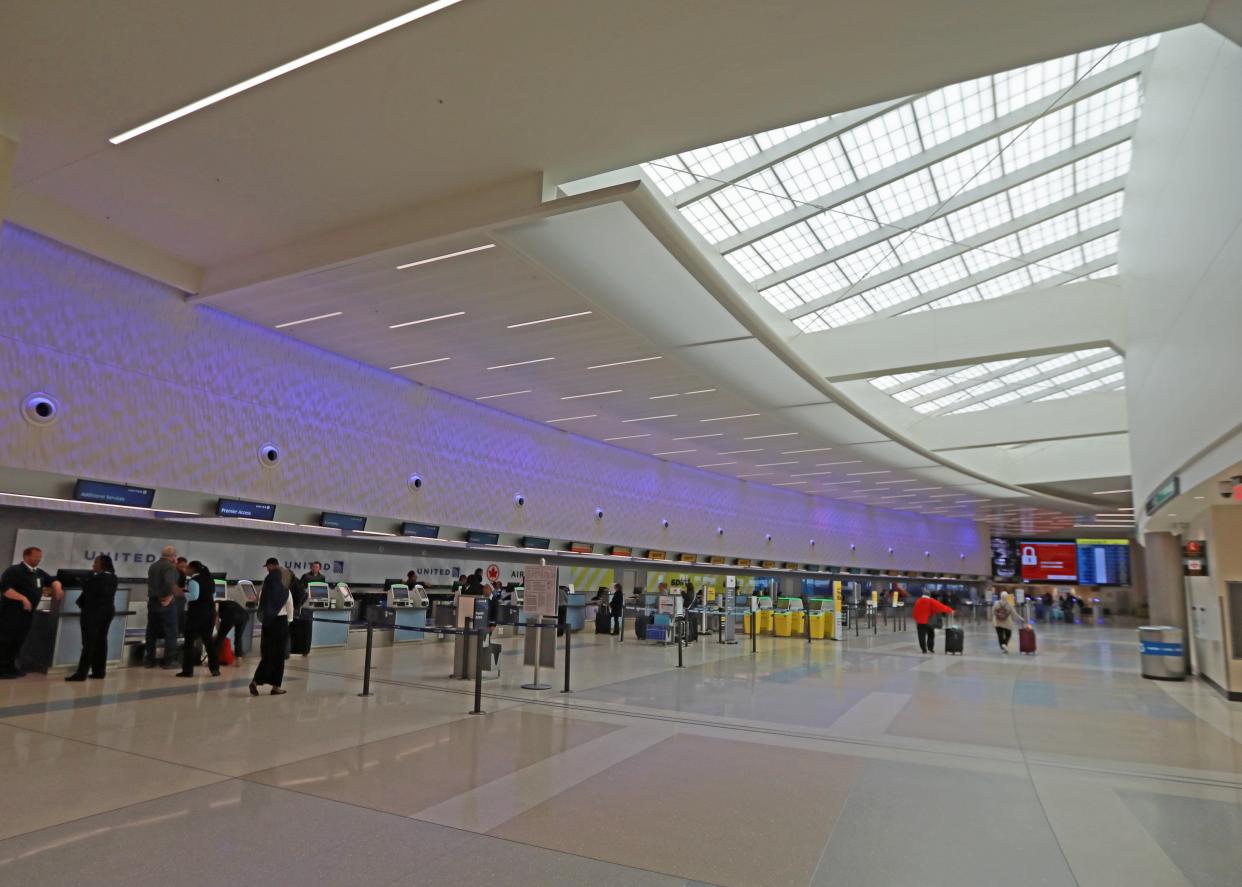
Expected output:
{"points": [[1161, 655]]}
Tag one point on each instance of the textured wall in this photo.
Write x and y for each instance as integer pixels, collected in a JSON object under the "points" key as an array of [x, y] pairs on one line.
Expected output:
{"points": [[168, 394]]}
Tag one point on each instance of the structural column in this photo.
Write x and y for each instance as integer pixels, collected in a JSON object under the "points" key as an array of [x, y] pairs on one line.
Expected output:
{"points": [[1166, 594]]}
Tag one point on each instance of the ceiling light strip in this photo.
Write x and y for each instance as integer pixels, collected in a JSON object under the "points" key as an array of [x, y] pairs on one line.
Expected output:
{"points": [[727, 418], [571, 418], [625, 437], [674, 452], [419, 363], [460, 252], [649, 418], [700, 436], [281, 326], [503, 394], [517, 326], [397, 326], [592, 394], [621, 363], [521, 363], [766, 436]]}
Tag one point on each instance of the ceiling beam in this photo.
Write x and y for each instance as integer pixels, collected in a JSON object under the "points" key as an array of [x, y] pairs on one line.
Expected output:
{"points": [[998, 186], [1033, 321], [1088, 86]]}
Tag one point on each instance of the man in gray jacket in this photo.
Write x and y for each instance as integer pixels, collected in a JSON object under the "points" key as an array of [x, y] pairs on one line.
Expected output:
{"points": [[163, 582]]}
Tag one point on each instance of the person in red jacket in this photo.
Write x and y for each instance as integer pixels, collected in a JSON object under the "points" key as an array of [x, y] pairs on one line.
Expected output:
{"points": [[924, 609]]}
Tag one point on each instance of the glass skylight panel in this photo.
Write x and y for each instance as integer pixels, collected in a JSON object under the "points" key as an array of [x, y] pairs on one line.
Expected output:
{"points": [[889, 294], [941, 274], [777, 136], [882, 141], [815, 172], [993, 253], [707, 218], [712, 159], [1043, 273], [1004, 284], [930, 387], [1101, 247], [1093, 61], [903, 198], [1114, 107], [1102, 166], [1049, 231], [954, 110], [669, 180], [1042, 138], [967, 169], [749, 263], [753, 200], [844, 223], [961, 297], [789, 246], [1039, 192], [1015, 89], [1097, 212], [782, 297], [862, 264], [983, 215], [926, 238], [819, 282], [1103, 273], [838, 314]]}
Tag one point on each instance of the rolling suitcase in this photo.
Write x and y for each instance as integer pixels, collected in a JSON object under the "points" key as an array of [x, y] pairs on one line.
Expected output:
{"points": [[603, 620], [1026, 640], [300, 636], [953, 639], [640, 626]]}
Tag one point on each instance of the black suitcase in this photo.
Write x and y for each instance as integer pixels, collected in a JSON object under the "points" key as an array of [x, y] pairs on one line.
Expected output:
{"points": [[603, 621], [300, 636], [692, 628], [640, 625], [953, 640]]}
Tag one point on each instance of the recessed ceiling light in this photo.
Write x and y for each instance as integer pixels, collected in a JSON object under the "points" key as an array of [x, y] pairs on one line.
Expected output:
{"points": [[758, 474], [626, 437], [621, 363], [420, 363], [766, 436], [827, 464], [397, 326], [281, 326], [811, 474], [700, 436], [739, 452], [1199, 497], [791, 483], [906, 481], [521, 363], [902, 496], [699, 391], [715, 464], [921, 489], [504, 394], [650, 418], [1110, 492], [674, 452], [862, 473], [837, 483], [812, 450], [592, 394], [299, 62], [571, 418], [515, 326], [774, 464], [727, 418], [662, 396], [460, 252]]}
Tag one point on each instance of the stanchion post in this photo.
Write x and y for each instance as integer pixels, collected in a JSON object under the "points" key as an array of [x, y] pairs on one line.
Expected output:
{"points": [[568, 633], [754, 631], [680, 637], [366, 668], [478, 673]]}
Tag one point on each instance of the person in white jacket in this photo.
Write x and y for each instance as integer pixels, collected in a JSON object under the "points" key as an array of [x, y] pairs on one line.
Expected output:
{"points": [[1004, 616]]}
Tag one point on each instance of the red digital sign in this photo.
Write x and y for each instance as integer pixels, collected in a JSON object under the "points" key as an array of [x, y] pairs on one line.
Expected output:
{"points": [[1048, 561]]}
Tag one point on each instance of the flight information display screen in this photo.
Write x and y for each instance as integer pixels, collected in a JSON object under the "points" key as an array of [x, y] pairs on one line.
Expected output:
{"points": [[1103, 562]]}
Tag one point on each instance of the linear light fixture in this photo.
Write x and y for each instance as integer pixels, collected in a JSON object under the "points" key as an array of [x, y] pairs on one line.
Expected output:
{"points": [[281, 326], [699, 391], [766, 436], [621, 363], [739, 452], [715, 464], [503, 394], [662, 396], [811, 450], [516, 326], [758, 474], [906, 481], [571, 418], [921, 489], [625, 437], [727, 418], [521, 363], [674, 452], [460, 252], [837, 483], [774, 464], [848, 462], [811, 474], [397, 326], [791, 483], [864, 473], [592, 394], [419, 363], [299, 62], [700, 436], [901, 496], [1110, 492], [650, 418]]}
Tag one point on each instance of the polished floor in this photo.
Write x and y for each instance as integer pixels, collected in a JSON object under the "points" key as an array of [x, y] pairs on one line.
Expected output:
{"points": [[854, 763]]}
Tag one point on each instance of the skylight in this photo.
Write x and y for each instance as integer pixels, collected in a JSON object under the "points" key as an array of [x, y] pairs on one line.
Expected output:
{"points": [[970, 192]]}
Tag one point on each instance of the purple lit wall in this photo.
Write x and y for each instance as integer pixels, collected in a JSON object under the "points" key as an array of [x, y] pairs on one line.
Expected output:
{"points": [[160, 392]]}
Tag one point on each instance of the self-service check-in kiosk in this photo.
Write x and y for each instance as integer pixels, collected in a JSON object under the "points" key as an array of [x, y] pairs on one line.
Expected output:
{"points": [[409, 609], [246, 596], [330, 613]]}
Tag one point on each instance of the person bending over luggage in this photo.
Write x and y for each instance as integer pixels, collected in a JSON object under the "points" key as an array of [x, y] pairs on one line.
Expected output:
{"points": [[200, 620], [98, 605], [276, 611], [1003, 615], [925, 608], [233, 617]]}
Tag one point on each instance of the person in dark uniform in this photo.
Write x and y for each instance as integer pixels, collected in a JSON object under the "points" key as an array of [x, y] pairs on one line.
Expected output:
{"points": [[315, 574], [21, 587], [616, 609], [275, 611], [98, 605], [200, 620]]}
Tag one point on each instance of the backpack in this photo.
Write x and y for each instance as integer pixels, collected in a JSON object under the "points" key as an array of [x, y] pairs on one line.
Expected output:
{"points": [[1003, 612]]}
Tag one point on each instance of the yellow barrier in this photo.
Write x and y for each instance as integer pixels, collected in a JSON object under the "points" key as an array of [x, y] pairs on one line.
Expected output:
{"points": [[783, 623], [819, 624], [799, 623]]}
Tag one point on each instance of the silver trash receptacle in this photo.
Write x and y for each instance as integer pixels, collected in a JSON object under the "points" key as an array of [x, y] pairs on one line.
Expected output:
{"points": [[1161, 654]]}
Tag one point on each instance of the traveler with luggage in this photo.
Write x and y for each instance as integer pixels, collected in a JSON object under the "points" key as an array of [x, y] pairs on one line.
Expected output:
{"points": [[233, 617], [97, 603], [616, 609], [200, 620], [927, 608], [1004, 615], [603, 618]]}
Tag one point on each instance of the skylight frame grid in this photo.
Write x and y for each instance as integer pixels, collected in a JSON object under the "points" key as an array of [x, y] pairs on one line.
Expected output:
{"points": [[788, 246], [754, 200], [882, 141], [818, 171]]}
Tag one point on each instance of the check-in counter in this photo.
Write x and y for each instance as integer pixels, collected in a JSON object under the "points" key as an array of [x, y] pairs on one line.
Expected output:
{"points": [[409, 610], [575, 610], [55, 638], [331, 609], [244, 594]]}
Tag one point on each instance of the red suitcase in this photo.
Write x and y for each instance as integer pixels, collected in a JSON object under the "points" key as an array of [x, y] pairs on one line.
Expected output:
{"points": [[1026, 640]]}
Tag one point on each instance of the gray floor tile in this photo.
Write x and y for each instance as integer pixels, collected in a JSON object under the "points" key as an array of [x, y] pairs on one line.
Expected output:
{"points": [[1200, 836]]}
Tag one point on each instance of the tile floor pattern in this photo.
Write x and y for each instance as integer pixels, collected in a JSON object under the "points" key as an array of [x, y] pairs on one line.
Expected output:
{"points": [[855, 763]]}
